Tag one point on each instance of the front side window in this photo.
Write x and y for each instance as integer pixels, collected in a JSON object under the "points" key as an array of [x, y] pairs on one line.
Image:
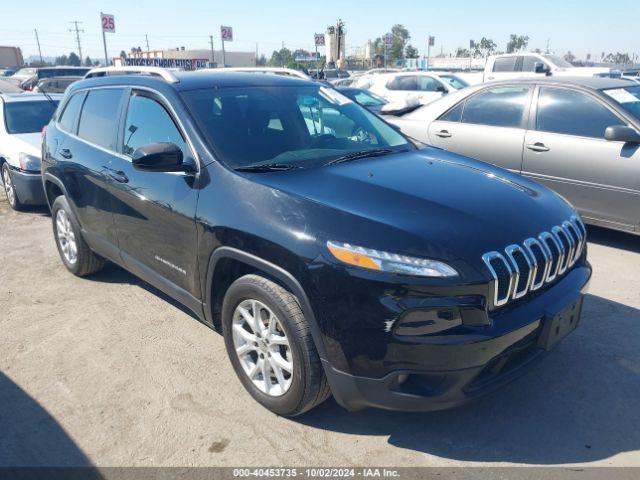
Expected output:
{"points": [[505, 64], [70, 113], [28, 117], [99, 117], [497, 107], [529, 63], [455, 82], [367, 99], [628, 98], [295, 126], [573, 113], [558, 61], [428, 84], [148, 122], [404, 82]]}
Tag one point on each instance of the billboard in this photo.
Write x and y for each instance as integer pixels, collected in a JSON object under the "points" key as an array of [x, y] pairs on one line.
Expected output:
{"points": [[182, 63]]}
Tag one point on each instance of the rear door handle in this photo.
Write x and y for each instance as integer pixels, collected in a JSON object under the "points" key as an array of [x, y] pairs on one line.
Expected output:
{"points": [[538, 147], [118, 176], [66, 153], [443, 134]]}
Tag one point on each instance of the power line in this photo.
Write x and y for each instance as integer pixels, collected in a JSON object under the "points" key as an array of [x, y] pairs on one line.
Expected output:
{"points": [[78, 32]]}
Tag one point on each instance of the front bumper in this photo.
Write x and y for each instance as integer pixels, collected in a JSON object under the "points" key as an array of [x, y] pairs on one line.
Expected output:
{"points": [[28, 187], [448, 370]]}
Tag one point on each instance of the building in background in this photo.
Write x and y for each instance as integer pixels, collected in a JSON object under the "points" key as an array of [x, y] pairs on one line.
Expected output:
{"points": [[335, 43], [181, 56], [11, 57]]}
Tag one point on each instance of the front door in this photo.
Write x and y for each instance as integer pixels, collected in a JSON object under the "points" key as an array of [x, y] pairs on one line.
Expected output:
{"points": [[155, 214], [566, 150]]}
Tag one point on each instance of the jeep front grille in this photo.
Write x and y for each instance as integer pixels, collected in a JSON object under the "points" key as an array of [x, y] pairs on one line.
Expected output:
{"points": [[538, 261]]}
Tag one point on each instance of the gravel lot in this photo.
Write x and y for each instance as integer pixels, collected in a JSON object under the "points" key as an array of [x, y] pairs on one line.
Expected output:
{"points": [[106, 371]]}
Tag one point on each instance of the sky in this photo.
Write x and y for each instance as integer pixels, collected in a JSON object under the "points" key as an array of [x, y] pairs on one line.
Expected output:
{"points": [[583, 27]]}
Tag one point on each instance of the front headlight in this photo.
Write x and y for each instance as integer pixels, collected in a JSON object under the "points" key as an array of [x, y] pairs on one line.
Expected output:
{"points": [[29, 163], [389, 262]]}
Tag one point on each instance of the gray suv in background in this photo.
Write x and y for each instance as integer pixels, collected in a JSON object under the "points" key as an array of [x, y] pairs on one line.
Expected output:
{"points": [[579, 136]]}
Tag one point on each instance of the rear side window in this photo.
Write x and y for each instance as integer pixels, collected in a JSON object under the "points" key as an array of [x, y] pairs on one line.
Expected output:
{"points": [[405, 82], [573, 113], [99, 118], [505, 64], [497, 107], [453, 115], [70, 113]]}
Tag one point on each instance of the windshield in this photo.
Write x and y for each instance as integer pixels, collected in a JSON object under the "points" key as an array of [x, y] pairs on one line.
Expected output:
{"points": [[558, 61], [301, 126], [364, 98], [628, 98], [455, 82], [28, 117]]}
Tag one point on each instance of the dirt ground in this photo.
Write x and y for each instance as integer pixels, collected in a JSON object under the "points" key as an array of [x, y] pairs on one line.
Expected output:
{"points": [[106, 371]]}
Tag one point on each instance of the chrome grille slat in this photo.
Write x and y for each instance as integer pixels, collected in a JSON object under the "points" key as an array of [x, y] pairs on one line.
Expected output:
{"points": [[539, 260]]}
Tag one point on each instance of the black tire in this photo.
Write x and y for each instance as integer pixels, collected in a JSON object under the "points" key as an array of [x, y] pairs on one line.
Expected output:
{"points": [[13, 200], [86, 262], [309, 385]]}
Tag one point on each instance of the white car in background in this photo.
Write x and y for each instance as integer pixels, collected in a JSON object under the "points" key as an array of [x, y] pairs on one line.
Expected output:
{"points": [[409, 87], [523, 65], [22, 118]]}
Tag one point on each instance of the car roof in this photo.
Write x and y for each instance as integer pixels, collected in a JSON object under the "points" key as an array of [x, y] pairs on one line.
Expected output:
{"points": [[26, 97], [594, 83]]}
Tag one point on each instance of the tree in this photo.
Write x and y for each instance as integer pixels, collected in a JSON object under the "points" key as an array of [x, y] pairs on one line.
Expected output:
{"points": [[281, 58], [462, 52], [486, 46], [400, 41], [261, 61], [123, 54], [570, 57], [88, 62], [517, 43], [74, 60], [411, 52], [62, 60]]}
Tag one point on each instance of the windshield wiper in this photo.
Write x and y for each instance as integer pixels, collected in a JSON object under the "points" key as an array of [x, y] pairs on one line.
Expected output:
{"points": [[267, 167], [376, 152]]}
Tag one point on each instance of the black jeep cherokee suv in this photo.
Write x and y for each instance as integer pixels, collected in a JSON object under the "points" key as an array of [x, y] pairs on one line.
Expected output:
{"points": [[333, 254]]}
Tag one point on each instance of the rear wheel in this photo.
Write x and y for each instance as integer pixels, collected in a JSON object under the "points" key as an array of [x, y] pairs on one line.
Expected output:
{"points": [[74, 251], [10, 189], [269, 344]]}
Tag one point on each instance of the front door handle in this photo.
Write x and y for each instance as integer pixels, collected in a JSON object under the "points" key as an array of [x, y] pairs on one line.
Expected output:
{"points": [[66, 153], [538, 147], [443, 134], [118, 176]]}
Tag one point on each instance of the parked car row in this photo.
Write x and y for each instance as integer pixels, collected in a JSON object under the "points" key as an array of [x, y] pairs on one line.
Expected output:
{"points": [[331, 251]]}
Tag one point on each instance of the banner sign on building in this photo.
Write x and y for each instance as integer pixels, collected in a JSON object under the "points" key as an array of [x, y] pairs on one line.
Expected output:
{"points": [[108, 23], [183, 63], [309, 57], [226, 33]]}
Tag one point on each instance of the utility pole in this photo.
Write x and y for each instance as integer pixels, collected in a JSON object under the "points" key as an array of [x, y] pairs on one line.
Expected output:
{"points": [[77, 32], [213, 55], [256, 59], [548, 41], [39, 50], [146, 39]]}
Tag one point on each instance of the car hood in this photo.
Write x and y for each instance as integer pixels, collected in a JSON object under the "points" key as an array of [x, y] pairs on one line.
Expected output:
{"points": [[426, 203], [12, 145], [31, 142]]}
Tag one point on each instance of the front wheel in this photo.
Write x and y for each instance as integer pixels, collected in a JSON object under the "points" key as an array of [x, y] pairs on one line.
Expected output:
{"points": [[269, 343], [10, 189]]}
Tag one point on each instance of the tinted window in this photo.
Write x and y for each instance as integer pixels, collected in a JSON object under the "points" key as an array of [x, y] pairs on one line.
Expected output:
{"points": [[71, 111], [28, 117], [99, 118], [498, 107], [301, 126], [453, 115], [455, 82], [505, 64], [428, 84], [573, 113], [148, 122], [529, 63], [405, 82]]}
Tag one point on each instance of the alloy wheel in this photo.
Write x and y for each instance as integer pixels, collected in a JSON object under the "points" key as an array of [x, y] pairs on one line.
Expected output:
{"points": [[8, 186], [66, 237], [262, 347]]}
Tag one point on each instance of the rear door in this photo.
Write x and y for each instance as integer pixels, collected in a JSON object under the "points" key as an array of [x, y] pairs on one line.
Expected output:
{"points": [[155, 214], [566, 150], [84, 154], [487, 126]]}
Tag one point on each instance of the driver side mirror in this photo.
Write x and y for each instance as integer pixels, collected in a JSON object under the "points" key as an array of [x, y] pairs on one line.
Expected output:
{"points": [[622, 133], [159, 157], [441, 89], [540, 67]]}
